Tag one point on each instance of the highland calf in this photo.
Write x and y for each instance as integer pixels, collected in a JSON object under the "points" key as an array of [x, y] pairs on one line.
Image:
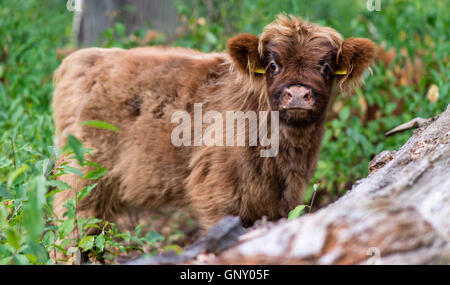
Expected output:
{"points": [[295, 68]]}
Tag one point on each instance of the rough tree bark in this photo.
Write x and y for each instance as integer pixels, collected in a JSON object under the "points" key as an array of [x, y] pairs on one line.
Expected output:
{"points": [[97, 16], [399, 214]]}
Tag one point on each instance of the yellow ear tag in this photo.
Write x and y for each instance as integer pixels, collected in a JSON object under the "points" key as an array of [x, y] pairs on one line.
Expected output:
{"points": [[259, 71], [341, 72]]}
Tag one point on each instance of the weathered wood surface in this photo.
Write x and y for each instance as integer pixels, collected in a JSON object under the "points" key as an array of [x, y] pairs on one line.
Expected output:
{"points": [[399, 214]]}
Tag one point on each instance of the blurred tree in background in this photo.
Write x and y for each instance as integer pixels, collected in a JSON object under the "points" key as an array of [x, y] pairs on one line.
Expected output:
{"points": [[97, 16]]}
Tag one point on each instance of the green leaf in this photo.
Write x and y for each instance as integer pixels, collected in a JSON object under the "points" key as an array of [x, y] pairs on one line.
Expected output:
{"points": [[31, 258], [36, 249], [74, 144], [344, 113], [138, 230], [33, 214], [72, 250], [73, 170], [13, 176], [6, 260], [153, 236], [100, 125], [210, 38], [70, 205], [295, 213], [64, 244], [4, 162], [93, 164], [49, 238], [173, 247], [91, 225], [53, 192], [126, 236], [96, 174], [60, 184], [86, 191], [100, 242], [121, 30], [66, 227], [21, 259], [87, 243], [13, 237], [4, 213]]}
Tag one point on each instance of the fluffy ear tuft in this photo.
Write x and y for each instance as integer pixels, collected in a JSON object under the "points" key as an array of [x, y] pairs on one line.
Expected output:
{"points": [[355, 56], [243, 49]]}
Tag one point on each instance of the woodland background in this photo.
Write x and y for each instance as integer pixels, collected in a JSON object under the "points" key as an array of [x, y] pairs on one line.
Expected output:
{"points": [[410, 79]]}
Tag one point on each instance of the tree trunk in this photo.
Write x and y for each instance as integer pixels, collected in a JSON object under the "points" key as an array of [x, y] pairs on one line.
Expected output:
{"points": [[97, 16]]}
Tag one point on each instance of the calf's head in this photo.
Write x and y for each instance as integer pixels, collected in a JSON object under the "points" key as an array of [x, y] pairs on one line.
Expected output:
{"points": [[300, 63]]}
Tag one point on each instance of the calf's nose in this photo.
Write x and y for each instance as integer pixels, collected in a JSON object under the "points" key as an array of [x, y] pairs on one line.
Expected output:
{"points": [[297, 97]]}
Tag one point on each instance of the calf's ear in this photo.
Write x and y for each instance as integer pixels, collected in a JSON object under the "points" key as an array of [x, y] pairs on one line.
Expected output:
{"points": [[243, 49], [354, 57]]}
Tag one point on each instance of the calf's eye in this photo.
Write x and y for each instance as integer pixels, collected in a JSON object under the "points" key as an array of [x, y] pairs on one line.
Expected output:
{"points": [[325, 69], [274, 68]]}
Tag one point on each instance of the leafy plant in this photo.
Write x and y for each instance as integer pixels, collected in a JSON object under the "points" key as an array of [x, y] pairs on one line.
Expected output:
{"points": [[297, 211]]}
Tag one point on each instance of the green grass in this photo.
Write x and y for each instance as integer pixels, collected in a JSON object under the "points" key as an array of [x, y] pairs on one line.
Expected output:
{"points": [[32, 31]]}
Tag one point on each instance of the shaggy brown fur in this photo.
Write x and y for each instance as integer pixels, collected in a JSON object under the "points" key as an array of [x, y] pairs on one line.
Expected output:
{"points": [[137, 90]]}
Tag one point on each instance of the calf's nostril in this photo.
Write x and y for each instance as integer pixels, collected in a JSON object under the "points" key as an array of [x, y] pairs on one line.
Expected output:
{"points": [[307, 96], [288, 95]]}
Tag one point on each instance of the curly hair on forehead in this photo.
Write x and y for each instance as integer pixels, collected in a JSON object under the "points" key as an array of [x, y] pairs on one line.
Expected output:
{"points": [[285, 29]]}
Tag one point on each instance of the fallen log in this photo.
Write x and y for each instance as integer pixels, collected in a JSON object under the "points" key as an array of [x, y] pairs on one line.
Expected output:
{"points": [[399, 214]]}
